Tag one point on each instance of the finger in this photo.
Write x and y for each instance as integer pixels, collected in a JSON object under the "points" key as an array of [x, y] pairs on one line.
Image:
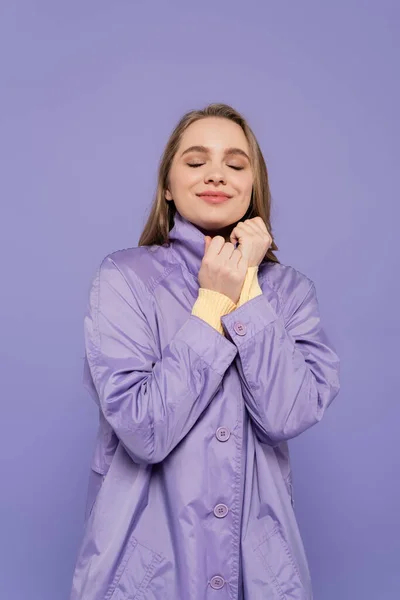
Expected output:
{"points": [[227, 251], [215, 246], [254, 227], [259, 223], [237, 232], [261, 230], [245, 250], [236, 258], [244, 234], [233, 236]]}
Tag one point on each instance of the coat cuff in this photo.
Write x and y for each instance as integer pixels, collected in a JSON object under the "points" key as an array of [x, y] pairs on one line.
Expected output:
{"points": [[248, 320], [211, 306]]}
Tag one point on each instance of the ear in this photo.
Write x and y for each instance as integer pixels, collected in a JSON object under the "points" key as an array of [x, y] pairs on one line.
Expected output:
{"points": [[168, 195]]}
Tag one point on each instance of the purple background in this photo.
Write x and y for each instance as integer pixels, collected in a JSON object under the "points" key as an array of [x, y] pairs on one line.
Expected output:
{"points": [[90, 91]]}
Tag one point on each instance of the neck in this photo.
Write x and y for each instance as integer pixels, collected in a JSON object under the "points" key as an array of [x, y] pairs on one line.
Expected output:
{"points": [[225, 232]]}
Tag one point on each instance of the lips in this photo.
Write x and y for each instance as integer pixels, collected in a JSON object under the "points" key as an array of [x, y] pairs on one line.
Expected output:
{"points": [[214, 197]]}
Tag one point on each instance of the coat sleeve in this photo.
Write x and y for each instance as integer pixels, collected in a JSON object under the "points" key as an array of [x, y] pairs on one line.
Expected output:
{"points": [[150, 397], [288, 368]]}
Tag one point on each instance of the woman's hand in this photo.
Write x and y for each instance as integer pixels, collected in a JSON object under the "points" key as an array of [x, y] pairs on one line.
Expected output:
{"points": [[254, 240], [223, 268]]}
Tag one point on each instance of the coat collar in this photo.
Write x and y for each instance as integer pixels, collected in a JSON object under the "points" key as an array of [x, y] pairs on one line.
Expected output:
{"points": [[187, 243]]}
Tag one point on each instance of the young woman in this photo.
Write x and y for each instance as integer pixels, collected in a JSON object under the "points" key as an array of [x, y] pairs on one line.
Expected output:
{"points": [[205, 355]]}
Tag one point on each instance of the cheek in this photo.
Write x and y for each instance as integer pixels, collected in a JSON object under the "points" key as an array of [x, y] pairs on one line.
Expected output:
{"points": [[245, 185], [184, 178]]}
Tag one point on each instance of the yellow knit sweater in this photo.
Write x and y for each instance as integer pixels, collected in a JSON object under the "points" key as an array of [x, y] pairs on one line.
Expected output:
{"points": [[211, 306]]}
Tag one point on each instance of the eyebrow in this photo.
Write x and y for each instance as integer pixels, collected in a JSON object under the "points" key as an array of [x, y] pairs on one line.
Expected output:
{"points": [[204, 149]]}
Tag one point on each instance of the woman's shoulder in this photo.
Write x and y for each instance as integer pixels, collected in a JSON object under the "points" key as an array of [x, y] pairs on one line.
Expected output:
{"points": [[143, 265]]}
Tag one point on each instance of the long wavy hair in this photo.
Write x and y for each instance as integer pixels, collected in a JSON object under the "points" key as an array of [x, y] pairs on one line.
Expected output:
{"points": [[161, 216]]}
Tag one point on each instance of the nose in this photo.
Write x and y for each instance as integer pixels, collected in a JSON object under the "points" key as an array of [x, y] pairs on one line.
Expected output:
{"points": [[215, 175]]}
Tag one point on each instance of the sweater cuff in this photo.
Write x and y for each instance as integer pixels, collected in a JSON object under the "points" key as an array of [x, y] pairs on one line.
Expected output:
{"points": [[211, 306], [251, 288]]}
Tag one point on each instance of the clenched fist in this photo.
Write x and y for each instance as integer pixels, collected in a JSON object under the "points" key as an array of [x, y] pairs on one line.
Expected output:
{"points": [[254, 240], [224, 267]]}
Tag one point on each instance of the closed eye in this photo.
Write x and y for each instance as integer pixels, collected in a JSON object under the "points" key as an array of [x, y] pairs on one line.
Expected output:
{"points": [[194, 165]]}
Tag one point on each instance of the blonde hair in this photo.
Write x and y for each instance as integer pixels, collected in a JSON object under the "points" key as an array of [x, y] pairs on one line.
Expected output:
{"points": [[161, 217]]}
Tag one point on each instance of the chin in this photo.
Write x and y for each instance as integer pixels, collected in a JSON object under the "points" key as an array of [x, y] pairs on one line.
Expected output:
{"points": [[215, 224]]}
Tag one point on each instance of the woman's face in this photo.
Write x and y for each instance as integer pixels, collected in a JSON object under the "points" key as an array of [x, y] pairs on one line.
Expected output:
{"points": [[213, 156]]}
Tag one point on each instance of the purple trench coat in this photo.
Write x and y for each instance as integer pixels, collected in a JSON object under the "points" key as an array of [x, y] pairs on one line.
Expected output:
{"points": [[190, 495]]}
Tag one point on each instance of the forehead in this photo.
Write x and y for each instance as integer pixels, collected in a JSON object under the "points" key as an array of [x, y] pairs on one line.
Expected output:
{"points": [[216, 133]]}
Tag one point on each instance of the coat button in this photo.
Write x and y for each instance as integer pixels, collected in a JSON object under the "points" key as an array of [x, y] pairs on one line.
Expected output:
{"points": [[222, 434], [217, 582], [221, 510], [240, 328]]}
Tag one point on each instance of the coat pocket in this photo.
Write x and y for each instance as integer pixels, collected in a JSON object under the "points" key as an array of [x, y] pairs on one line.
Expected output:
{"points": [[134, 573], [280, 566]]}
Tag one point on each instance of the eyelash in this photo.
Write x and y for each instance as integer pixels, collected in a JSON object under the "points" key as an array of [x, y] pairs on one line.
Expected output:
{"points": [[201, 164]]}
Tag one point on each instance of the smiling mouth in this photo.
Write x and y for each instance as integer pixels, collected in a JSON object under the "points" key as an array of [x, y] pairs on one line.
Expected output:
{"points": [[214, 198]]}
